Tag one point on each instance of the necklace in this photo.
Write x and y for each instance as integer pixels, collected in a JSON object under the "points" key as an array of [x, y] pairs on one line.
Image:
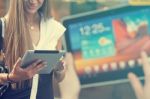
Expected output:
{"points": [[31, 27], [31, 24]]}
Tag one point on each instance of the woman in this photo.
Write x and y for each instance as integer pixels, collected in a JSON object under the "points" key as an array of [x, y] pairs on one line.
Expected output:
{"points": [[28, 25]]}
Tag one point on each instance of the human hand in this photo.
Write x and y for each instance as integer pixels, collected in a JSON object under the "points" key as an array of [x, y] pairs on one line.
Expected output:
{"points": [[59, 71], [70, 86], [18, 73], [142, 92]]}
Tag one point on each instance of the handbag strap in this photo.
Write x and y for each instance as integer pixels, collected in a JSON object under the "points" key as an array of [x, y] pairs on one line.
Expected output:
{"points": [[3, 26], [1, 33]]}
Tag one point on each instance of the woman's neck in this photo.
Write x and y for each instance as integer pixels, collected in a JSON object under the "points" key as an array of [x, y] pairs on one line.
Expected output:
{"points": [[32, 18]]}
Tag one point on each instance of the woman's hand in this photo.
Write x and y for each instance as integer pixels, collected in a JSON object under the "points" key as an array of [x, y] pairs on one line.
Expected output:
{"points": [[18, 73], [60, 71], [142, 92]]}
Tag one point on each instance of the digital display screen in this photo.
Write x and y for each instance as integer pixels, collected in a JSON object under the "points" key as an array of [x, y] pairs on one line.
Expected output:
{"points": [[109, 44]]}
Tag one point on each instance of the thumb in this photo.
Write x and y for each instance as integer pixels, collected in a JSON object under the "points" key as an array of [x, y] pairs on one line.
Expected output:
{"points": [[18, 63], [136, 84]]}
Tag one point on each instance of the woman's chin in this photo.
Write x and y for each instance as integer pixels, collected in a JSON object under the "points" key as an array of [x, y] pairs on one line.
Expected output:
{"points": [[32, 11]]}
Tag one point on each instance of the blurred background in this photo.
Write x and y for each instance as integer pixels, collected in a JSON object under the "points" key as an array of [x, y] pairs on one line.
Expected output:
{"points": [[63, 8]]}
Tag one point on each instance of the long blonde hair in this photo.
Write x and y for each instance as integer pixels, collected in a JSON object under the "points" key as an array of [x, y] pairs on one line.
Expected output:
{"points": [[17, 37]]}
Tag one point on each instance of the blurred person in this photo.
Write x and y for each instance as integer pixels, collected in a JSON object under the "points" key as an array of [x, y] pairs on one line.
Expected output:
{"points": [[71, 89], [30, 26]]}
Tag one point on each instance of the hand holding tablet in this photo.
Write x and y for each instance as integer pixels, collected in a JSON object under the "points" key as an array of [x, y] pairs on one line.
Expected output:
{"points": [[51, 57]]}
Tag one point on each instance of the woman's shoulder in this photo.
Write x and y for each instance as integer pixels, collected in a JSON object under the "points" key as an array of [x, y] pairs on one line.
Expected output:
{"points": [[54, 22], [55, 28], [56, 25]]}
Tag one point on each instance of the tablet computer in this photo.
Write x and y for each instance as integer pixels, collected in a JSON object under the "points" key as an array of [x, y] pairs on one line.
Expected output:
{"points": [[106, 45], [51, 57]]}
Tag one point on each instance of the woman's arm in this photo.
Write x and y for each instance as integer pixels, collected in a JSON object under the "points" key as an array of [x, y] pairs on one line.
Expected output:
{"points": [[19, 74], [67, 90], [59, 71], [59, 44]]}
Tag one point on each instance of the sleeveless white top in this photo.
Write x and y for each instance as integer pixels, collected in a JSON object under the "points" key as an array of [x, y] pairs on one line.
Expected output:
{"points": [[50, 32]]}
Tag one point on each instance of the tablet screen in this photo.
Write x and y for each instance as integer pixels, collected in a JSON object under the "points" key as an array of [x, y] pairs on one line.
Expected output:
{"points": [[106, 45]]}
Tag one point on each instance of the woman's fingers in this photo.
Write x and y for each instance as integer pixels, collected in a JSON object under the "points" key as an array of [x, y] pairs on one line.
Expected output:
{"points": [[60, 66], [59, 71], [39, 66], [33, 64], [36, 65], [146, 66], [18, 63], [137, 86]]}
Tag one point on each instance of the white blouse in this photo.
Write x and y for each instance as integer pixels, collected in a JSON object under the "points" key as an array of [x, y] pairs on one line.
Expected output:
{"points": [[50, 32]]}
